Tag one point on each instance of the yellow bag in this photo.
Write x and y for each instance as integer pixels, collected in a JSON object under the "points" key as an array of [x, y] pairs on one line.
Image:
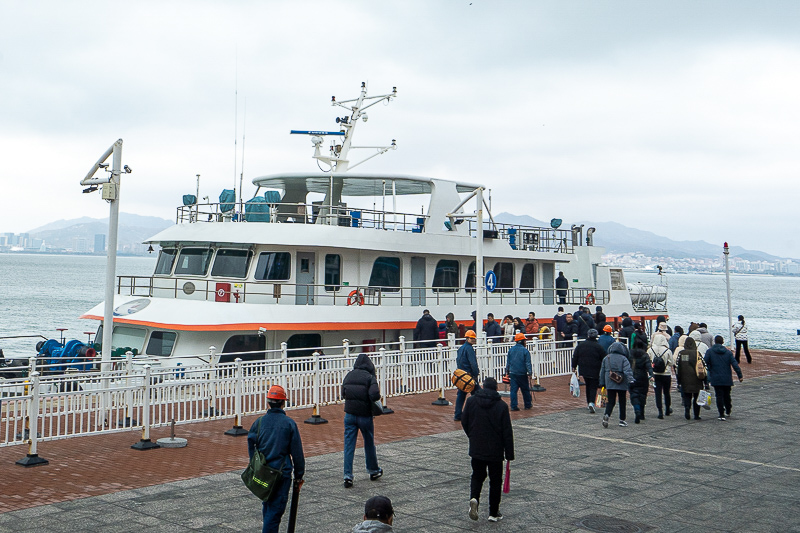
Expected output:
{"points": [[601, 399], [463, 380]]}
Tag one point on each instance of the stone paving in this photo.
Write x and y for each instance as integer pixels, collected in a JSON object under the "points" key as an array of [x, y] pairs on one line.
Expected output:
{"points": [[570, 474]]}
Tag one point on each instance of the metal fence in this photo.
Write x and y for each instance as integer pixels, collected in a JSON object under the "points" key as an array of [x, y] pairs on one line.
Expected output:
{"points": [[137, 396]]}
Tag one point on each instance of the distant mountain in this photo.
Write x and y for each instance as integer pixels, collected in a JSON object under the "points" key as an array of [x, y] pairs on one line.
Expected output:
{"points": [[133, 230], [617, 238]]}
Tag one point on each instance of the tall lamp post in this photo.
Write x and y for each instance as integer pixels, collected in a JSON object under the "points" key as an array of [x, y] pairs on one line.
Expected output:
{"points": [[726, 252]]}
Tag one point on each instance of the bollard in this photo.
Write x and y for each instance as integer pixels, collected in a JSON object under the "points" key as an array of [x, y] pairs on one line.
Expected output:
{"points": [[31, 365], [404, 364], [145, 443], [237, 430], [441, 400], [384, 370], [128, 421], [32, 426], [172, 441], [315, 418], [213, 359]]}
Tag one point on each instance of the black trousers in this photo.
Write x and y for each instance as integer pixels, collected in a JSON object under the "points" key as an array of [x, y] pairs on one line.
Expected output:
{"points": [[591, 388], [663, 384], [495, 469], [613, 394], [723, 395], [739, 345], [690, 400]]}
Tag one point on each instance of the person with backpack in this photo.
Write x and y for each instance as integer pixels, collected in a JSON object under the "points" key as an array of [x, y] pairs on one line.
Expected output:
{"points": [[616, 376], [642, 373], [663, 362], [688, 380]]}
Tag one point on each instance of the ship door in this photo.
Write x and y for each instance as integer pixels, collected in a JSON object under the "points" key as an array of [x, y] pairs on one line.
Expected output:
{"points": [[418, 280], [305, 278], [548, 283]]}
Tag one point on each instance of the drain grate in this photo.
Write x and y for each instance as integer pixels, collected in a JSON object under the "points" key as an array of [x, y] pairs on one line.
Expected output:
{"points": [[609, 524]]}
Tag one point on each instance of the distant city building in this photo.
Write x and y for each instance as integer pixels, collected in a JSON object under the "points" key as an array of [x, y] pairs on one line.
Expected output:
{"points": [[81, 245], [99, 243]]}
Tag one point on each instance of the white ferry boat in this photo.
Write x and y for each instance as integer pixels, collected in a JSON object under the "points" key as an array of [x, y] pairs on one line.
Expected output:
{"points": [[318, 257]]}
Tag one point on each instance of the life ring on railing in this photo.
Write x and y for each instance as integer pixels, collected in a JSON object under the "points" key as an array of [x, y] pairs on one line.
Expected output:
{"points": [[589, 299], [355, 298]]}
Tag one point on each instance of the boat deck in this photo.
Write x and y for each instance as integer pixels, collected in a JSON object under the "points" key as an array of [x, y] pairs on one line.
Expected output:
{"points": [[556, 433]]}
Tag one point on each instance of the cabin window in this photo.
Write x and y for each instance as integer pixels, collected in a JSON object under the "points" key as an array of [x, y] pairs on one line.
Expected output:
{"points": [[446, 276], [528, 280], [193, 262], [386, 274], [617, 279], [166, 257], [273, 266], [161, 343], [245, 347], [333, 272], [505, 277], [469, 285], [303, 344], [127, 339], [231, 263]]}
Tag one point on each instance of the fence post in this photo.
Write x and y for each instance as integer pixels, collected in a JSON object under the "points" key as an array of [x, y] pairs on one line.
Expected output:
{"points": [[537, 387], [128, 421], [145, 443], [212, 382], [31, 365], [403, 363], [315, 418], [382, 384], [441, 400], [237, 430], [346, 353], [284, 369], [32, 425]]}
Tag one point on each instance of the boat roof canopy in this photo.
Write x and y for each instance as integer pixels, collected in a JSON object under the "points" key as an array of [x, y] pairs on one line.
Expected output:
{"points": [[354, 184]]}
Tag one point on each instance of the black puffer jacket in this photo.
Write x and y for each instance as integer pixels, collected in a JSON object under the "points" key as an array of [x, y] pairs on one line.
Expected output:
{"points": [[360, 388], [588, 357], [627, 329], [427, 329], [487, 423]]}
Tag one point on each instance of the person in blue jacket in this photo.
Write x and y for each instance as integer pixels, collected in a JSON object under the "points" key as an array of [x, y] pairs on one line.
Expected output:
{"points": [[467, 361], [518, 368], [719, 361], [606, 339], [493, 329], [276, 436]]}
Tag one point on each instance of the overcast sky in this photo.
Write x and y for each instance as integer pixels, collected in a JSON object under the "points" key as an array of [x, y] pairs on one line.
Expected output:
{"points": [[682, 118]]}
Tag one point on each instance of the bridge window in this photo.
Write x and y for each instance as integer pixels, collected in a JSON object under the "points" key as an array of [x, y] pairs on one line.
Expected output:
{"points": [[273, 266], [528, 280], [231, 263], [333, 272], [386, 274], [193, 262], [166, 257], [505, 277], [446, 276], [161, 343]]}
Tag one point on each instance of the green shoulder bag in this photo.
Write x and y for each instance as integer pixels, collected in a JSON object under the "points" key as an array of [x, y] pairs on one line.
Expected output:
{"points": [[259, 477]]}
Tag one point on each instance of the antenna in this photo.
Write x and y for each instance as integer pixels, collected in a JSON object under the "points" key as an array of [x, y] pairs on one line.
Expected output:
{"points": [[235, 115], [241, 173]]}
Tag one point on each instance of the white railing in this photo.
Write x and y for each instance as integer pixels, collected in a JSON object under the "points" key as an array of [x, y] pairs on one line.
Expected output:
{"points": [[136, 395]]}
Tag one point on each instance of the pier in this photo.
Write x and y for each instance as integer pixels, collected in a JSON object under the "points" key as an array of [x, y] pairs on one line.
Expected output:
{"points": [[570, 473]]}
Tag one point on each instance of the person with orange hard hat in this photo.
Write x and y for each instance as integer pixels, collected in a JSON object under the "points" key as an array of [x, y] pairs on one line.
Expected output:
{"points": [[277, 437], [518, 368], [467, 361]]}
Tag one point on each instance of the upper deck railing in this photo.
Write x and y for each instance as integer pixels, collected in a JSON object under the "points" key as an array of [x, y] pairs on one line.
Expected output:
{"points": [[519, 237]]}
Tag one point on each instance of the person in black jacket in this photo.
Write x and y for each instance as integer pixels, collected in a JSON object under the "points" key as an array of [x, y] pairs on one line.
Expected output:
{"points": [[360, 390], [587, 358], [570, 331], [642, 369], [487, 423], [426, 333]]}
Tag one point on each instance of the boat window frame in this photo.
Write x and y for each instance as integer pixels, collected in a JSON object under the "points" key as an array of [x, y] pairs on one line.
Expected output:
{"points": [[150, 338], [331, 286], [161, 253], [471, 279], [287, 268], [208, 262], [528, 288], [229, 249], [136, 351], [454, 279], [385, 287], [505, 281]]}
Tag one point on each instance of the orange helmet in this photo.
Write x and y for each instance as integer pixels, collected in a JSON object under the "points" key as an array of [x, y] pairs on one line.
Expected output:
{"points": [[470, 334], [519, 337], [276, 392]]}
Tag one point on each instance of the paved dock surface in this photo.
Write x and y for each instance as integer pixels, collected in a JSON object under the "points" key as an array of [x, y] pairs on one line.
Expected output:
{"points": [[571, 474]]}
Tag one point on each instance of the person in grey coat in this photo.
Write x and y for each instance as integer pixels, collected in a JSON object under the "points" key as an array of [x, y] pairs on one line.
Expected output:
{"points": [[719, 361], [616, 361]]}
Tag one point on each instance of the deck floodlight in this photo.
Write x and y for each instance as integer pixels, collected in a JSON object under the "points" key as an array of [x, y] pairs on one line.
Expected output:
{"points": [[555, 223]]}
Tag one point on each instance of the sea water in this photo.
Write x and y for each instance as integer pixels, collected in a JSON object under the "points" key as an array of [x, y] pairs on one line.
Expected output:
{"points": [[39, 293]]}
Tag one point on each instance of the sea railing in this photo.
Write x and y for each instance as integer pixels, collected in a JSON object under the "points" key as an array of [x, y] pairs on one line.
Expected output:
{"points": [[137, 395], [273, 292]]}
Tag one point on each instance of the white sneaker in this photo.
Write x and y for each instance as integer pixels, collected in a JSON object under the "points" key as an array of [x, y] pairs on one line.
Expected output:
{"points": [[496, 518], [591, 408], [473, 509]]}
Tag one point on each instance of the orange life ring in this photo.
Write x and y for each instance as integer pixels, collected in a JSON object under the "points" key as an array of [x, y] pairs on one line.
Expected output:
{"points": [[355, 298], [589, 299]]}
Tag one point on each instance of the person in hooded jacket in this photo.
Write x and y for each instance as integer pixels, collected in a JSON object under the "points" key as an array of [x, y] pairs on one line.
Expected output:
{"points": [[719, 361], [627, 330], [699, 345], [450, 325], [599, 318], [587, 359], [560, 322], [360, 390], [659, 349], [661, 319], [705, 337], [518, 368], [378, 516], [616, 361], [426, 333], [687, 378], [642, 373], [487, 423]]}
